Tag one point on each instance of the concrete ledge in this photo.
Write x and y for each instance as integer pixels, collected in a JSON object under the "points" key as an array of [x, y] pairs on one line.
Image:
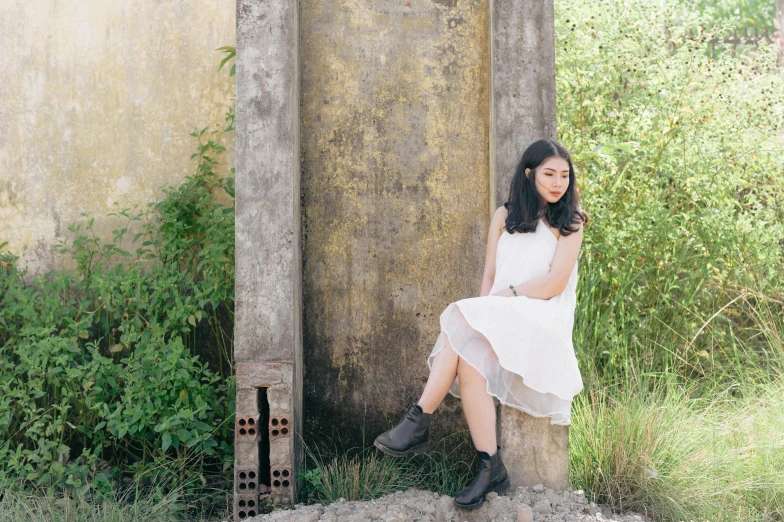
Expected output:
{"points": [[534, 451]]}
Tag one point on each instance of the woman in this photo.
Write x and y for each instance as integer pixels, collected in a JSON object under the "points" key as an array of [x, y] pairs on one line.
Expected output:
{"points": [[518, 350]]}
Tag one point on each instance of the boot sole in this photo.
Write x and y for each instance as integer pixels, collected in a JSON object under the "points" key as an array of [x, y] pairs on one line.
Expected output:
{"points": [[416, 450], [501, 487]]}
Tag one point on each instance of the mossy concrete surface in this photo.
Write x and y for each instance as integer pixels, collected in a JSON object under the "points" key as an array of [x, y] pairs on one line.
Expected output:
{"points": [[395, 194]]}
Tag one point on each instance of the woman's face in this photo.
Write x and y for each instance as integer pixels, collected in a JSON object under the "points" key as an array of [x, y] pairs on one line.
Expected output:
{"points": [[552, 178]]}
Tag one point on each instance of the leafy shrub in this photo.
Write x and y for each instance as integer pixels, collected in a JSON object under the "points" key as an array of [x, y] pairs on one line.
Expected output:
{"points": [[745, 13], [680, 160], [98, 373]]}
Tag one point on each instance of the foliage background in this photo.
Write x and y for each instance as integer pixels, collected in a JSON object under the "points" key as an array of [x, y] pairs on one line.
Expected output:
{"points": [[680, 159]]}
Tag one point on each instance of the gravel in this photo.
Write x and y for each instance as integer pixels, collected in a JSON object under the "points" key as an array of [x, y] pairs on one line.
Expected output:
{"points": [[526, 504]]}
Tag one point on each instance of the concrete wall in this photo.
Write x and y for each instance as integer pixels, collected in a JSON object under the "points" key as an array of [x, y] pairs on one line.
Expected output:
{"points": [[401, 167], [97, 102], [395, 188]]}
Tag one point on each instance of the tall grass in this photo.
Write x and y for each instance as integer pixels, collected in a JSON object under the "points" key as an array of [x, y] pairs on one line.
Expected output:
{"points": [[369, 474], [43, 506], [680, 447], [669, 454], [736, 335]]}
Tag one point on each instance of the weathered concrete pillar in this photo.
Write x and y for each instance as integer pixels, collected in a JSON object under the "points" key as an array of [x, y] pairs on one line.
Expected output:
{"points": [[523, 111], [268, 332]]}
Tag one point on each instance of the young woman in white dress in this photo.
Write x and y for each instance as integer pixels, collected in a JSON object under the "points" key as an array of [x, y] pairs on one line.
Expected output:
{"points": [[518, 350]]}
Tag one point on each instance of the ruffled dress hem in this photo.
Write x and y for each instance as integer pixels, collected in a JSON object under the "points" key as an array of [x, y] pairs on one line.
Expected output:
{"points": [[508, 386]]}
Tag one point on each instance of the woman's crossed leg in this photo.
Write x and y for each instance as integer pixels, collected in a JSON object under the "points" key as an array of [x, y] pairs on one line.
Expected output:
{"points": [[478, 405]]}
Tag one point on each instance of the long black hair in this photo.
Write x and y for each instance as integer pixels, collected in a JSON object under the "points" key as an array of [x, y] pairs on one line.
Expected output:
{"points": [[524, 200]]}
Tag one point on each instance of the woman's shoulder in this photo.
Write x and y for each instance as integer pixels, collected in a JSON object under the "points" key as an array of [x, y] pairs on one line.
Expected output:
{"points": [[499, 218], [500, 214]]}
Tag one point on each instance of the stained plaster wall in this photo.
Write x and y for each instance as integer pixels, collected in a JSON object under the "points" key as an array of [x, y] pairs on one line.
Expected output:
{"points": [[97, 101], [395, 194]]}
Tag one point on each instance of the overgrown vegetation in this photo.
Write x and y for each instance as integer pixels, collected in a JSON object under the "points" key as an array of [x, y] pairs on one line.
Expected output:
{"points": [[99, 378], [742, 13], [45, 506], [679, 327], [680, 161], [663, 451]]}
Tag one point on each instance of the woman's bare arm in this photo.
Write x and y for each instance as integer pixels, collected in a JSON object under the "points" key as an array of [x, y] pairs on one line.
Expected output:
{"points": [[496, 229], [553, 282]]}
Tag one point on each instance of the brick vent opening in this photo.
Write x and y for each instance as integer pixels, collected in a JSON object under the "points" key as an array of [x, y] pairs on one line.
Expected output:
{"points": [[264, 441]]}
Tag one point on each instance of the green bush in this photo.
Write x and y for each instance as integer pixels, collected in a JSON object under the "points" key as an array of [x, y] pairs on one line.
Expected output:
{"points": [[745, 13], [679, 158], [680, 323], [98, 370]]}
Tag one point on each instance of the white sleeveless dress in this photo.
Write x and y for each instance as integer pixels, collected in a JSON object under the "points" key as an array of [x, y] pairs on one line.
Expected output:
{"points": [[522, 346]]}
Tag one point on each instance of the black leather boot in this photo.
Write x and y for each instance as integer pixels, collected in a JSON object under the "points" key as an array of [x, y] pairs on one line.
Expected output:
{"points": [[411, 435], [491, 477]]}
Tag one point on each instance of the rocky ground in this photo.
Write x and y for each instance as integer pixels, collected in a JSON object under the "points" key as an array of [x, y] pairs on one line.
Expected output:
{"points": [[526, 504]]}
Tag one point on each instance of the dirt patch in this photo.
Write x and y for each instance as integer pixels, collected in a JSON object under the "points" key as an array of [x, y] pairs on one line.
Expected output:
{"points": [[526, 504]]}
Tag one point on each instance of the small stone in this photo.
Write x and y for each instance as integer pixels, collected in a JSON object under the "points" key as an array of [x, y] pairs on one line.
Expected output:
{"points": [[312, 516], [543, 507], [491, 496], [524, 513], [538, 488]]}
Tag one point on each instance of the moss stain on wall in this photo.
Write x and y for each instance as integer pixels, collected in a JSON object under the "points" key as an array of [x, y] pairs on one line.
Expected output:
{"points": [[395, 194], [97, 105]]}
